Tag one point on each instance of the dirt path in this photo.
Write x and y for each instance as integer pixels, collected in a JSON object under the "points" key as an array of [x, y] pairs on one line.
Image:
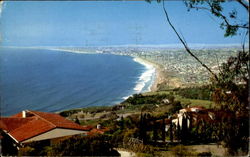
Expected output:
{"points": [[216, 150], [125, 153]]}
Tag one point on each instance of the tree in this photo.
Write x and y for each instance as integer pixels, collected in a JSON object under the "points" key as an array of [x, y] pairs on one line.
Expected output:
{"points": [[155, 135], [230, 23], [231, 92], [184, 130], [215, 8], [231, 85], [176, 106], [77, 120], [178, 131], [171, 130], [163, 130], [121, 123]]}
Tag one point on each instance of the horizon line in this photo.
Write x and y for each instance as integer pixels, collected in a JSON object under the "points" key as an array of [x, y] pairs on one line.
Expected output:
{"points": [[136, 45]]}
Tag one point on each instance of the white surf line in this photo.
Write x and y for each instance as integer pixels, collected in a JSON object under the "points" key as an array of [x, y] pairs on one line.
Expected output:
{"points": [[146, 76]]}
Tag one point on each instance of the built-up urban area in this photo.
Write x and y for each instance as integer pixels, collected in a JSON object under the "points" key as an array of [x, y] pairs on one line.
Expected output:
{"points": [[174, 62]]}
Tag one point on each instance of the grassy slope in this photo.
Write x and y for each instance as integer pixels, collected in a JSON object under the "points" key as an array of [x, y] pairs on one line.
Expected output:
{"points": [[185, 101]]}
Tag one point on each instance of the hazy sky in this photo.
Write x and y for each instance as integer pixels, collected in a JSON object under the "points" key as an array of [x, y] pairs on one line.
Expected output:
{"points": [[99, 23]]}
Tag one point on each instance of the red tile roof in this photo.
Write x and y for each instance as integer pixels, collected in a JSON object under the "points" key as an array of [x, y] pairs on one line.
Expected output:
{"points": [[57, 120], [35, 124], [13, 123], [189, 109], [2, 125], [31, 129]]}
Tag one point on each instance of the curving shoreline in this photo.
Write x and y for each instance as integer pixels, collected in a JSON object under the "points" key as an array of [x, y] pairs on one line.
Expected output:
{"points": [[157, 70], [146, 77], [154, 73], [159, 77]]}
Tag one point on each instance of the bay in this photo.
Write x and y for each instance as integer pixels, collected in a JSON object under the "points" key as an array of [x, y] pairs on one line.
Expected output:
{"points": [[50, 81]]}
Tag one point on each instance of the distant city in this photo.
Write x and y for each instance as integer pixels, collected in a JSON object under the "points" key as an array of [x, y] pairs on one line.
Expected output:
{"points": [[174, 60]]}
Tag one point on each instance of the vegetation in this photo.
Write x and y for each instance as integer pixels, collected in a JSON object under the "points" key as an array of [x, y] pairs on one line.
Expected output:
{"points": [[231, 93], [91, 110], [231, 23], [143, 131], [143, 122], [97, 145], [139, 99], [202, 93], [231, 86]]}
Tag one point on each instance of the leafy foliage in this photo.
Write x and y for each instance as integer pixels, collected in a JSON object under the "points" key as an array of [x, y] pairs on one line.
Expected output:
{"points": [[97, 145], [139, 99], [231, 93], [230, 21], [202, 93], [175, 107], [27, 151], [92, 109]]}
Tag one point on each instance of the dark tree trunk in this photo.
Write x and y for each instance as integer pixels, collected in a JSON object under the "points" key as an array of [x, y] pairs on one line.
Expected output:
{"points": [[144, 131], [163, 130], [155, 132], [171, 130], [178, 130], [184, 130]]}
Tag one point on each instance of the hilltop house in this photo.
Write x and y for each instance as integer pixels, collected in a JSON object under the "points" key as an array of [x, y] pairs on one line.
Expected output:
{"points": [[29, 126], [186, 112]]}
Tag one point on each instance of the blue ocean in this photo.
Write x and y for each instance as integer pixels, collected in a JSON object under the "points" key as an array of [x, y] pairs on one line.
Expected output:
{"points": [[54, 80]]}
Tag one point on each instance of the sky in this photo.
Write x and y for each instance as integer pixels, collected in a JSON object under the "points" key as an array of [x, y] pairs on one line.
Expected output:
{"points": [[100, 23]]}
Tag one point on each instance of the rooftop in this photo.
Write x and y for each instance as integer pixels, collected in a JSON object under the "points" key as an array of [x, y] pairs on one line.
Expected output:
{"points": [[28, 124]]}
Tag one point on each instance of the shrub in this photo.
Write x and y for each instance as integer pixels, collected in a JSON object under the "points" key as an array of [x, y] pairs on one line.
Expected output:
{"points": [[97, 145], [26, 151]]}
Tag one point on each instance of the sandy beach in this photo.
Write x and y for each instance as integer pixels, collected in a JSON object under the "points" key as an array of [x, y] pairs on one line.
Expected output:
{"points": [[159, 78], [162, 77], [159, 73]]}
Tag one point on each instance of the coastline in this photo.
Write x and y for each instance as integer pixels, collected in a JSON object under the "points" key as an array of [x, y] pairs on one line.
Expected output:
{"points": [[158, 77], [163, 79], [158, 73]]}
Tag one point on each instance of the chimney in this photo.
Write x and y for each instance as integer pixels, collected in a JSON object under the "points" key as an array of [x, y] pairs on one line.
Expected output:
{"points": [[98, 126], [24, 114]]}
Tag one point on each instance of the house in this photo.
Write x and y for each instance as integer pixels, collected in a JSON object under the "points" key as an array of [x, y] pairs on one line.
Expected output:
{"points": [[29, 126], [183, 113]]}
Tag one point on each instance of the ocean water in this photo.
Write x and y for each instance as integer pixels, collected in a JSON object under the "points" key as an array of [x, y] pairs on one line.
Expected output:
{"points": [[53, 80]]}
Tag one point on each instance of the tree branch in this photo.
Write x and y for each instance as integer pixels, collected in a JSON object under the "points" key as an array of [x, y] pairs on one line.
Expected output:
{"points": [[222, 16], [185, 45], [244, 5], [231, 29], [203, 8], [244, 41], [228, 24]]}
